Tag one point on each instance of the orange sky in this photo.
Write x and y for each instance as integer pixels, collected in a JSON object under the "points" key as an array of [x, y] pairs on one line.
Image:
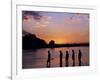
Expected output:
{"points": [[60, 27]]}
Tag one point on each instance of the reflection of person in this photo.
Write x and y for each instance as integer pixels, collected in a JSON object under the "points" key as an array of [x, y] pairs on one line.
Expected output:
{"points": [[73, 57], [61, 56], [48, 61], [66, 58], [79, 57]]}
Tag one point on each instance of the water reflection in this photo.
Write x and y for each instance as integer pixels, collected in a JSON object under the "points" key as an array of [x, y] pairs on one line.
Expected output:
{"points": [[57, 57]]}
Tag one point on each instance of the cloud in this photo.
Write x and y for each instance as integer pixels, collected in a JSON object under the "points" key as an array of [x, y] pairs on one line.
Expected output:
{"points": [[44, 22], [84, 16], [33, 14], [80, 18]]}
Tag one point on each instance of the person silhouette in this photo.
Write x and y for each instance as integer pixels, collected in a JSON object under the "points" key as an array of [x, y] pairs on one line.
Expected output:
{"points": [[66, 58], [48, 60], [61, 56], [79, 57], [73, 57]]}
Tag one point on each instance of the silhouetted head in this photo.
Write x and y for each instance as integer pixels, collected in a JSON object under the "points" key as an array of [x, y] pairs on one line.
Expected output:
{"points": [[60, 51], [79, 51], [73, 50], [66, 51], [48, 51]]}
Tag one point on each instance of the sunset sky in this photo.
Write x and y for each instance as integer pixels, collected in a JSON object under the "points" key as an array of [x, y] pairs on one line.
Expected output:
{"points": [[62, 27]]}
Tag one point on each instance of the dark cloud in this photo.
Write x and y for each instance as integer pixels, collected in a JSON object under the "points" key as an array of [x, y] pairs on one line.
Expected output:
{"points": [[35, 15]]}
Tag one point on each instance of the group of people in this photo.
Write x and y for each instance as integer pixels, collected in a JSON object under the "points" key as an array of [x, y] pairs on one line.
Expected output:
{"points": [[66, 58]]}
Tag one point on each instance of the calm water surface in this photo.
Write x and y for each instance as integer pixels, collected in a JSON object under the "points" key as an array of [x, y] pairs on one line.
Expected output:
{"points": [[38, 58]]}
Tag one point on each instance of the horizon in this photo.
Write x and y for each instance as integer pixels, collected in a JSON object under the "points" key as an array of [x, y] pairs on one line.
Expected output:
{"points": [[62, 27]]}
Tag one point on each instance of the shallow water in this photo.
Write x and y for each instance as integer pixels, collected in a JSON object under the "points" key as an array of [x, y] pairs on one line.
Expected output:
{"points": [[38, 58]]}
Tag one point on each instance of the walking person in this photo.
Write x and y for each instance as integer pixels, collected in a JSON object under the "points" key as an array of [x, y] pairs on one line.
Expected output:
{"points": [[79, 57], [73, 57], [66, 58], [61, 56], [48, 61]]}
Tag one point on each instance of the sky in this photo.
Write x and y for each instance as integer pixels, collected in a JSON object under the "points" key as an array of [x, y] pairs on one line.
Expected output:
{"points": [[62, 27]]}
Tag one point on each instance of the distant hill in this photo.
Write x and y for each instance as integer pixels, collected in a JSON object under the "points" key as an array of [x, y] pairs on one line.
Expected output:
{"points": [[30, 41]]}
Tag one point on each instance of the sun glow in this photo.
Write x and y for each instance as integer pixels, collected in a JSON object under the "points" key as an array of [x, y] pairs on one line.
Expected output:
{"points": [[60, 27]]}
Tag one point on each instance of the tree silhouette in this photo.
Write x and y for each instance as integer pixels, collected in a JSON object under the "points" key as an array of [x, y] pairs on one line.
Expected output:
{"points": [[30, 41], [52, 43]]}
